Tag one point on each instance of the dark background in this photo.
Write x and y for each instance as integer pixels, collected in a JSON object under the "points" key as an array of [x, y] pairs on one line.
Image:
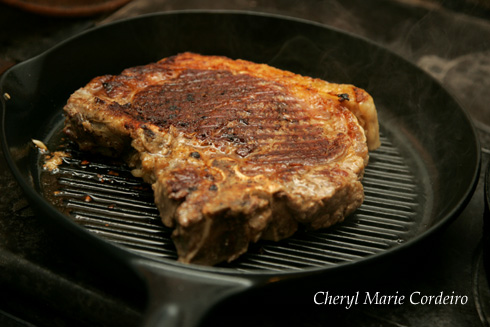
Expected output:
{"points": [[448, 39]]}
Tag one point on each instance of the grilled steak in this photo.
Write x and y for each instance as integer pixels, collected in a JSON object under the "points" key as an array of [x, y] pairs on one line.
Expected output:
{"points": [[235, 151]]}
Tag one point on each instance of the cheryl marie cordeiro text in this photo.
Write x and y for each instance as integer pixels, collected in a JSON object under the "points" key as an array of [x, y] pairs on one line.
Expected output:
{"points": [[378, 298]]}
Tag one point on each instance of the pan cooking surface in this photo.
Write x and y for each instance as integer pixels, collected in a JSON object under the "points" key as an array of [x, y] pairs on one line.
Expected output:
{"points": [[102, 196]]}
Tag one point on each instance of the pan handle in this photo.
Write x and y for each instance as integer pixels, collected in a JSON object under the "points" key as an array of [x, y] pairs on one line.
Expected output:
{"points": [[182, 297]]}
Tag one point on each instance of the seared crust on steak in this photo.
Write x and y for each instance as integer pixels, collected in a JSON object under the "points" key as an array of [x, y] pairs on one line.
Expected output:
{"points": [[235, 151]]}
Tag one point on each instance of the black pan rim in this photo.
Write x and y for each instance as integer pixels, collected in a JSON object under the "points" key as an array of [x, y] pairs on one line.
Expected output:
{"points": [[37, 198]]}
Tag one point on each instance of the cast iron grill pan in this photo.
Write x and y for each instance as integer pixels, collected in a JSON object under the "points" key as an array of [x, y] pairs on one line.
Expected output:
{"points": [[102, 196], [417, 182]]}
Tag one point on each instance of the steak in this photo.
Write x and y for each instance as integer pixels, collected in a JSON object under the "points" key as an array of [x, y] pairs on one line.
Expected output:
{"points": [[235, 151]]}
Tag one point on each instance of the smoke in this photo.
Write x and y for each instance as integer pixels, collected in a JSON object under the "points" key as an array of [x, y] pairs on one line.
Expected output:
{"points": [[466, 77], [451, 46]]}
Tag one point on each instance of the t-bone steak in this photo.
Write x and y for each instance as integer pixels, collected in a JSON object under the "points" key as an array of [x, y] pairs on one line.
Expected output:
{"points": [[235, 151]]}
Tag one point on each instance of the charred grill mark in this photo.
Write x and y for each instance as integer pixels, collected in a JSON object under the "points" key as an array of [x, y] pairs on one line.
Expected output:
{"points": [[306, 153], [220, 100], [245, 150], [99, 100], [107, 87], [182, 182], [148, 132], [259, 118], [112, 85], [343, 97]]}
